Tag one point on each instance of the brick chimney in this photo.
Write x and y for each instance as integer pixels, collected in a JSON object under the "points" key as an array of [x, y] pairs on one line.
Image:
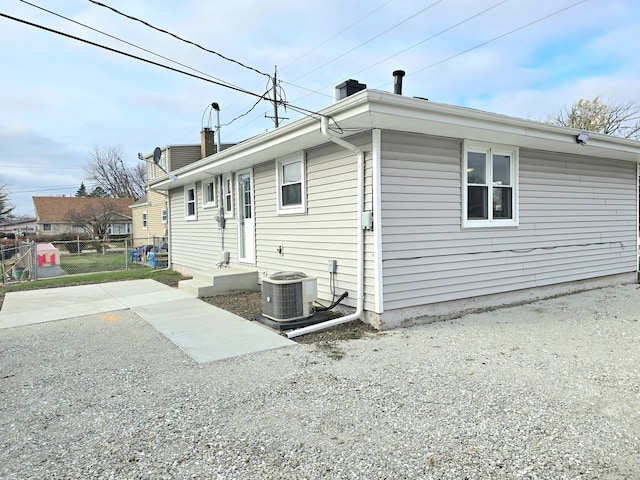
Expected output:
{"points": [[207, 142]]}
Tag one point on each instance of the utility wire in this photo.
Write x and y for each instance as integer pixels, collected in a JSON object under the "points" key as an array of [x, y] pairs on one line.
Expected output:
{"points": [[337, 34], [121, 40], [304, 111], [42, 27], [367, 41], [468, 19], [494, 39], [179, 38]]}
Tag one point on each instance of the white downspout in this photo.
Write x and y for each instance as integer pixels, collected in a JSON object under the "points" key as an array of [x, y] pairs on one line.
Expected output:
{"points": [[324, 128]]}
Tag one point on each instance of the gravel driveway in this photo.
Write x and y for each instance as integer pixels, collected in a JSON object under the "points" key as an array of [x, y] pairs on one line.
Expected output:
{"points": [[549, 390]]}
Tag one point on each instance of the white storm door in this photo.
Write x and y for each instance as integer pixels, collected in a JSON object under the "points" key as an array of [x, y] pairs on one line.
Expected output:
{"points": [[246, 224]]}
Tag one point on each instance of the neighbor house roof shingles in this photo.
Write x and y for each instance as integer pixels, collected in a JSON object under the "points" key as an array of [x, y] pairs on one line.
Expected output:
{"points": [[54, 209]]}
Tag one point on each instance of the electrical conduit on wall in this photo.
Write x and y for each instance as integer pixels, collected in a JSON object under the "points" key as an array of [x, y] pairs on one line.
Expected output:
{"points": [[324, 128]]}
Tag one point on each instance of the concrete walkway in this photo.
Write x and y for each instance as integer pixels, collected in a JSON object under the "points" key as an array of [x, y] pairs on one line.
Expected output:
{"points": [[203, 331]]}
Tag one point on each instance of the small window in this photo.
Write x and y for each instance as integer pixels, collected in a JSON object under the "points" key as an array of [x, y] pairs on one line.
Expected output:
{"points": [[227, 183], [46, 227], [163, 216], [209, 194], [190, 207], [145, 224], [290, 175], [490, 190]]}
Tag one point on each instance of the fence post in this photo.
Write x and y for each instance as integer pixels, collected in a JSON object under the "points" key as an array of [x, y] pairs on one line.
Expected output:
{"points": [[78, 243], [126, 254], [34, 261]]}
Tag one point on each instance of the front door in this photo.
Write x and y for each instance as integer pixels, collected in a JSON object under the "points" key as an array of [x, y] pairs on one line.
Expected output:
{"points": [[246, 225]]}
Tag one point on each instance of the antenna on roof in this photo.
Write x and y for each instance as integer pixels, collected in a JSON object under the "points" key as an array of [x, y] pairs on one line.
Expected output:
{"points": [[157, 155]]}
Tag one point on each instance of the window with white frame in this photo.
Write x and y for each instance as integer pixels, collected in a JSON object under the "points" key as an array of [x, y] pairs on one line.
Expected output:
{"points": [[209, 194], [163, 215], [490, 185], [190, 204], [290, 176], [46, 227], [145, 223], [227, 185]]}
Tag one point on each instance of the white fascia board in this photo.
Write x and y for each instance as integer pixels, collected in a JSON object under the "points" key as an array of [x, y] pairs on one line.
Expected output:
{"points": [[371, 109]]}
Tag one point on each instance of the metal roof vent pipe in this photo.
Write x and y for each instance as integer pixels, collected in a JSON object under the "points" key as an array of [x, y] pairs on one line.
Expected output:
{"points": [[397, 81]]}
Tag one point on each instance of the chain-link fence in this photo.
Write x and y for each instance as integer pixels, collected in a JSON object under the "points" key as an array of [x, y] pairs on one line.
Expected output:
{"points": [[34, 261]]}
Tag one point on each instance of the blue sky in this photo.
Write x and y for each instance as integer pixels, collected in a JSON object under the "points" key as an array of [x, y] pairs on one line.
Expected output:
{"points": [[60, 98]]}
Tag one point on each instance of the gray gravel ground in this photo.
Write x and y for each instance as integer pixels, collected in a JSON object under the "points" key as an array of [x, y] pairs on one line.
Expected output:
{"points": [[549, 390]]}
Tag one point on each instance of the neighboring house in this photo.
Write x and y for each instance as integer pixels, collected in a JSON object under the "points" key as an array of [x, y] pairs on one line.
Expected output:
{"points": [[52, 214], [25, 226], [150, 215], [429, 210]]}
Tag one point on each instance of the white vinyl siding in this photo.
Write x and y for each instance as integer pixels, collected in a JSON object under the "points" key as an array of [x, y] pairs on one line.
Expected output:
{"points": [[327, 232], [197, 245], [576, 214]]}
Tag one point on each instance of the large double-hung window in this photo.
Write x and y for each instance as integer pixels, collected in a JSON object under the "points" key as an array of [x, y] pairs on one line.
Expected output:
{"points": [[490, 185]]}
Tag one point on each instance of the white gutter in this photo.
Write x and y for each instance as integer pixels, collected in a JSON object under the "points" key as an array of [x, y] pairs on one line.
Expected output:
{"points": [[360, 233]]}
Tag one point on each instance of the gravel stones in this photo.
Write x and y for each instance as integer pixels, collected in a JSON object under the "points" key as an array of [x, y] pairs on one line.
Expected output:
{"points": [[549, 390]]}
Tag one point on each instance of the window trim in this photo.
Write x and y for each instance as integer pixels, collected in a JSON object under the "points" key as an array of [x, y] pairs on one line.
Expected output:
{"points": [[164, 217], [280, 163], [214, 201], [227, 181], [491, 149], [45, 229], [145, 220], [188, 217]]}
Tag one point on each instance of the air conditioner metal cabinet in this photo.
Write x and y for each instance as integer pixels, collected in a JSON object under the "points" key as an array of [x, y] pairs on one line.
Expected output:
{"points": [[288, 296]]}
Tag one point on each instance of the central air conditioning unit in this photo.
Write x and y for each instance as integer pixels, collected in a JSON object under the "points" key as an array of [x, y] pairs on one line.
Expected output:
{"points": [[288, 296]]}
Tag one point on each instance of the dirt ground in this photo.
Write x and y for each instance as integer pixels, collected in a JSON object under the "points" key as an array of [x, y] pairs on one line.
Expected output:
{"points": [[246, 304]]}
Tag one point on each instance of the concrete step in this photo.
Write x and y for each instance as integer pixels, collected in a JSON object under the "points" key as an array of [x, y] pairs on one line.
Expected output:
{"points": [[208, 283]]}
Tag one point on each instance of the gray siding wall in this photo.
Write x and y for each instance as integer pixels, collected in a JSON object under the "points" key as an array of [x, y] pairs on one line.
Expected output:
{"points": [[196, 244], [183, 155], [576, 214], [327, 232]]}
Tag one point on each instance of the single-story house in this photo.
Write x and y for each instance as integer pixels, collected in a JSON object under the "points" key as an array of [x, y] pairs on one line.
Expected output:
{"points": [[54, 215], [22, 226], [419, 210]]}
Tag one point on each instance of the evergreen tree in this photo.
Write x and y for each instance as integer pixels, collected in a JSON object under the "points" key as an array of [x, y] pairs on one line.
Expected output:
{"points": [[98, 192], [82, 191]]}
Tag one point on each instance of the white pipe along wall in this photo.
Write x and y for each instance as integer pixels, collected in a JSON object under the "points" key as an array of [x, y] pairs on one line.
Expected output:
{"points": [[360, 251]]}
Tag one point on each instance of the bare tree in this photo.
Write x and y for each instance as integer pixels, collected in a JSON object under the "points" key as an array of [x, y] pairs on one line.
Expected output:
{"points": [[620, 120], [5, 207], [95, 218], [106, 169]]}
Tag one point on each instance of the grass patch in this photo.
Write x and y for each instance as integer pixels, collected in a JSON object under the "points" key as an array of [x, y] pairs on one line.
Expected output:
{"points": [[96, 262], [168, 277]]}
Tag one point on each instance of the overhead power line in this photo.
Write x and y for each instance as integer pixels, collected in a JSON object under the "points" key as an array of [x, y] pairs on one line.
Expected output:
{"points": [[42, 27], [135, 57], [496, 38], [178, 37], [339, 33], [367, 41], [121, 40]]}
